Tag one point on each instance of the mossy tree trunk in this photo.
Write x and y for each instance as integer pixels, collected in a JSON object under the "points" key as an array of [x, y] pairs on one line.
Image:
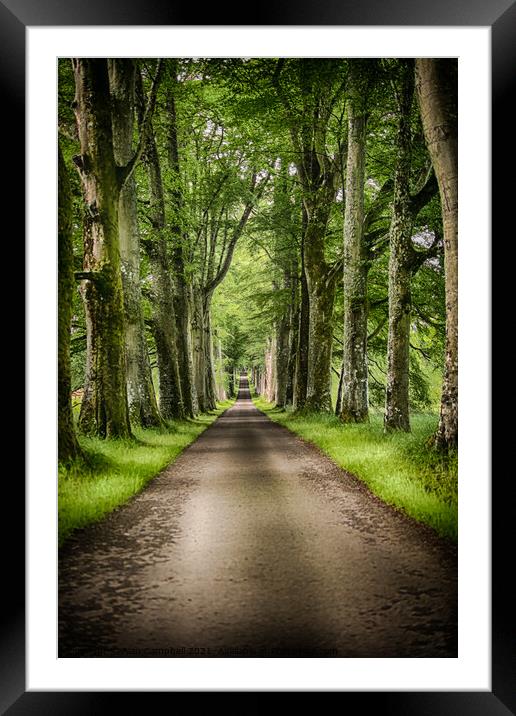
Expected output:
{"points": [[436, 82], [356, 264], [143, 408], [404, 260], [318, 169], [199, 352], [162, 295], [211, 384], [182, 303], [321, 295], [68, 446], [400, 264], [104, 409]]}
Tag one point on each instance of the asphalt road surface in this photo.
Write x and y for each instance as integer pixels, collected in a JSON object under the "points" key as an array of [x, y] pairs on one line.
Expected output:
{"points": [[253, 543]]}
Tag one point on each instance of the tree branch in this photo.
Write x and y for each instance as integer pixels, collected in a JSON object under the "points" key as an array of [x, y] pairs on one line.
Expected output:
{"points": [[377, 329], [420, 256], [422, 197], [420, 350], [86, 275], [257, 191], [124, 172], [382, 199], [372, 360]]}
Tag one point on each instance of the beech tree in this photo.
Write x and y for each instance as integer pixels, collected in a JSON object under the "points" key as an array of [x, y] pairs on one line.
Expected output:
{"points": [[404, 259], [142, 403], [104, 408], [436, 81], [318, 87], [282, 215], [179, 240], [355, 259], [155, 244]]}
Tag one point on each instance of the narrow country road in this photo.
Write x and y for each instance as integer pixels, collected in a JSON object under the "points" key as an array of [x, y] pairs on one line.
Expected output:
{"points": [[253, 543]]}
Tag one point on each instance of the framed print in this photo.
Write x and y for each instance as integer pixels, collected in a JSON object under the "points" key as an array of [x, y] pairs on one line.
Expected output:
{"points": [[482, 680]]}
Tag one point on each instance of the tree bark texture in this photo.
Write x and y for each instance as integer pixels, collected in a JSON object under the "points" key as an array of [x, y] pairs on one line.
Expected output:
{"points": [[400, 264], [182, 305], [199, 349], [321, 295], [162, 303], [211, 385], [268, 388], [354, 392], [221, 388], [143, 408], [68, 446], [301, 370], [104, 409], [317, 172], [436, 82], [293, 333]]}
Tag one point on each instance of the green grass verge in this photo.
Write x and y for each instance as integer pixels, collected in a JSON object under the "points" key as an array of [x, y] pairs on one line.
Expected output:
{"points": [[400, 468], [115, 470]]}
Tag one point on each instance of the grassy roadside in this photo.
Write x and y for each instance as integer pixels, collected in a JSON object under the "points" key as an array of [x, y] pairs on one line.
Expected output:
{"points": [[115, 470], [399, 467]]}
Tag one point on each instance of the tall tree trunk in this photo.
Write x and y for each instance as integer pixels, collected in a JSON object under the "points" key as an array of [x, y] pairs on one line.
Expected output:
{"points": [[68, 447], [182, 304], [143, 408], [321, 293], [436, 82], [211, 386], [354, 397], [231, 382], [283, 348], [104, 409], [184, 344], [162, 303], [400, 264], [221, 388], [294, 330], [317, 174], [269, 379], [301, 374], [199, 353]]}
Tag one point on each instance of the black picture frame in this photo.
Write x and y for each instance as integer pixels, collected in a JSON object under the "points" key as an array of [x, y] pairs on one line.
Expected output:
{"points": [[500, 15]]}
